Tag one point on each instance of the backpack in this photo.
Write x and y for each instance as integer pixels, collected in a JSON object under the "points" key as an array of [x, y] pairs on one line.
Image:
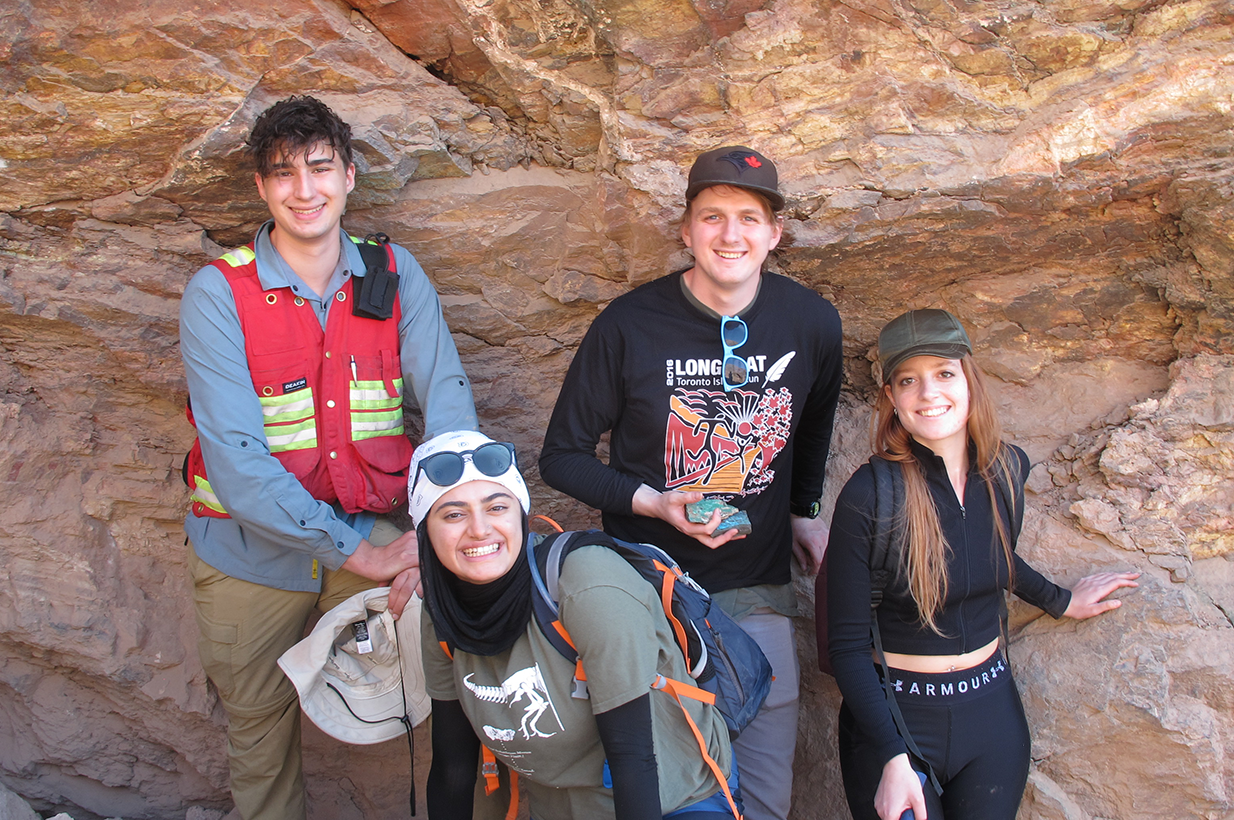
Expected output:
{"points": [[727, 666], [884, 563], [721, 658]]}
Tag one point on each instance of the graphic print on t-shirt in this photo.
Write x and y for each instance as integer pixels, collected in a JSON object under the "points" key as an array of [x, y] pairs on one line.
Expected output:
{"points": [[524, 689], [718, 442]]}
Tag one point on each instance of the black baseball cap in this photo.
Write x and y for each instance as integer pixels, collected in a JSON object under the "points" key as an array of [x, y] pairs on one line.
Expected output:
{"points": [[738, 166], [926, 332]]}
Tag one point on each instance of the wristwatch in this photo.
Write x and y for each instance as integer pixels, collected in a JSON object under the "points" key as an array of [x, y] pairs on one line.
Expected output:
{"points": [[810, 511]]}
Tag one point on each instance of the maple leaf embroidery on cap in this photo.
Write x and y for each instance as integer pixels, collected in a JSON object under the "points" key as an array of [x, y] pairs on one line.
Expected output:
{"points": [[742, 160]]}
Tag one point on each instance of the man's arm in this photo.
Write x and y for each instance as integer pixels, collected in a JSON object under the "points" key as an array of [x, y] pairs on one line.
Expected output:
{"points": [[589, 404], [429, 358], [812, 440], [810, 537], [252, 484]]}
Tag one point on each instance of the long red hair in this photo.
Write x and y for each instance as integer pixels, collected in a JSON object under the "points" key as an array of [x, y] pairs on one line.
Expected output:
{"points": [[924, 562]]}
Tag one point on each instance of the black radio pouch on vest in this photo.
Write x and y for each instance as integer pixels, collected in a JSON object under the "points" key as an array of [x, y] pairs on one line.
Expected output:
{"points": [[374, 299]]}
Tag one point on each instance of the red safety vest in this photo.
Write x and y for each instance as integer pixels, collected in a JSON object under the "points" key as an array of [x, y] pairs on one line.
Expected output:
{"points": [[331, 402]]}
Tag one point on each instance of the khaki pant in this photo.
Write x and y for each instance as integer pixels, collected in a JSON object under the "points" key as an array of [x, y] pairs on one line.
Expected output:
{"points": [[243, 630], [764, 752]]}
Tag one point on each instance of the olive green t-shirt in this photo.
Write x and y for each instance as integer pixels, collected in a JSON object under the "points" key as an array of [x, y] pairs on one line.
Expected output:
{"points": [[520, 704]]}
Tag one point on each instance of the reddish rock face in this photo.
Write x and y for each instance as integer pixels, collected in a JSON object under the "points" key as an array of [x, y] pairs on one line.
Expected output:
{"points": [[1059, 175]]}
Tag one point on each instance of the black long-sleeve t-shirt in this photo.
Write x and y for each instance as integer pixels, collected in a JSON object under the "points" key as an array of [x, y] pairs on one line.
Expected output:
{"points": [[976, 577], [649, 371]]}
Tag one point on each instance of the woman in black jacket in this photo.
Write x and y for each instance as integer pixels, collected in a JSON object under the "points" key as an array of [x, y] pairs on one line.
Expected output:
{"points": [[940, 616]]}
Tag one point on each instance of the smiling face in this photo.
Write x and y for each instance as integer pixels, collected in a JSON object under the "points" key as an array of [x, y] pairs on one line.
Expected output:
{"points": [[730, 232], [476, 531], [307, 194], [931, 398]]}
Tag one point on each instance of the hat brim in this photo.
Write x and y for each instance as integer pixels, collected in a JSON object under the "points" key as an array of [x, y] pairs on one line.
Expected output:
{"points": [[773, 196], [383, 697], [943, 351], [326, 709]]}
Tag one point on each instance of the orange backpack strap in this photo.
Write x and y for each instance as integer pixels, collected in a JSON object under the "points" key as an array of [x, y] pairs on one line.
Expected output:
{"points": [[548, 521], [679, 690], [580, 676], [512, 812], [666, 599], [492, 781], [675, 688], [489, 769]]}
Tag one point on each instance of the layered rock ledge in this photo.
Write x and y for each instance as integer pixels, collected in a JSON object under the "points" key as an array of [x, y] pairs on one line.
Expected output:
{"points": [[1059, 174]]}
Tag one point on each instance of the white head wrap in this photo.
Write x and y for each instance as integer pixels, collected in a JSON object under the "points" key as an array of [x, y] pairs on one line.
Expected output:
{"points": [[423, 494]]}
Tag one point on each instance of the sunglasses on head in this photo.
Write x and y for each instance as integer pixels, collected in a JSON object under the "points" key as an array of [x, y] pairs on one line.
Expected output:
{"points": [[733, 334], [445, 469]]}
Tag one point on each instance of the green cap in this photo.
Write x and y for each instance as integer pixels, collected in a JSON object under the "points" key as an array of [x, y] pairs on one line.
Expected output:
{"points": [[927, 332]]}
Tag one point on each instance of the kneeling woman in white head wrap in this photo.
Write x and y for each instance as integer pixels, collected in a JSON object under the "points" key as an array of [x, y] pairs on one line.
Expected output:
{"points": [[624, 753]]}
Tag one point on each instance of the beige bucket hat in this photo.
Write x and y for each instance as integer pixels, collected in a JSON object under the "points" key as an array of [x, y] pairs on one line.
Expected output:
{"points": [[359, 671]]}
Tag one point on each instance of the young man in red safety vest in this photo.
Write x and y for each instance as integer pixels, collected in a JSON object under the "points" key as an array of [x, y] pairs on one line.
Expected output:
{"points": [[300, 351]]}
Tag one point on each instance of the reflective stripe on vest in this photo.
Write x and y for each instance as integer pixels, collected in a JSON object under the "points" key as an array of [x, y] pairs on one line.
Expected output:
{"points": [[374, 412], [203, 493], [239, 257], [288, 421]]}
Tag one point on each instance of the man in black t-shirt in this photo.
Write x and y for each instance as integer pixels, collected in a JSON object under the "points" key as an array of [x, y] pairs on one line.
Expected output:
{"points": [[719, 381]]}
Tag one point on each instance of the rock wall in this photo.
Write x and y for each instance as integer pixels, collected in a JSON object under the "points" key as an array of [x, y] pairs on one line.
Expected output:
{"points": [[1060, 174]]}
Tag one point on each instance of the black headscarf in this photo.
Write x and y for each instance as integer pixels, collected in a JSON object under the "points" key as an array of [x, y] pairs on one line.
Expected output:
{"points": [[480, 619]]}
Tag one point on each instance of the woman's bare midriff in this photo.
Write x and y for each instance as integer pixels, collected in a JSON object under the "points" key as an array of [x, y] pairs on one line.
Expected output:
{"points": [[933, 664]]}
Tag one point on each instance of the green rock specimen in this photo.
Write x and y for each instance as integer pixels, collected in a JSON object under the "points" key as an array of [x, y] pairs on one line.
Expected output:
{"points": [[731, 518], [700, 511], [738, 520]]}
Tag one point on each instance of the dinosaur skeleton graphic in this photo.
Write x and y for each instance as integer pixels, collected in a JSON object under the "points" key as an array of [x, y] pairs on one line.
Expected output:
{"points": [[503, 735], [526, 683]]}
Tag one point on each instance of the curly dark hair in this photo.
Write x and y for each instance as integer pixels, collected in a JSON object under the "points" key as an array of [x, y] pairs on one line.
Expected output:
{"points": [[294, 126]]}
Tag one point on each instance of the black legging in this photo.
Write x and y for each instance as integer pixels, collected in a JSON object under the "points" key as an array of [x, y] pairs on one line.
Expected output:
{"points": [[971, 729]]}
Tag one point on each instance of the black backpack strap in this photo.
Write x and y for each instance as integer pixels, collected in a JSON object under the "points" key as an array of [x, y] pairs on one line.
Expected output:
{"points": [[554, 558], [1013, 501], [1013, 496], [379, 285], [544, 605], [888, 502], [884, 561], [547, 559]]}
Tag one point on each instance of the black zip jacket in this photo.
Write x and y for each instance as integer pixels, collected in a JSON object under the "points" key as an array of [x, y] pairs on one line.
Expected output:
{"points": [[976, 578]]}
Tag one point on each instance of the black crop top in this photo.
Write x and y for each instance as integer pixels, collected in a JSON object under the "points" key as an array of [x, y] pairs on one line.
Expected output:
{"points": [[976, 578]]}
